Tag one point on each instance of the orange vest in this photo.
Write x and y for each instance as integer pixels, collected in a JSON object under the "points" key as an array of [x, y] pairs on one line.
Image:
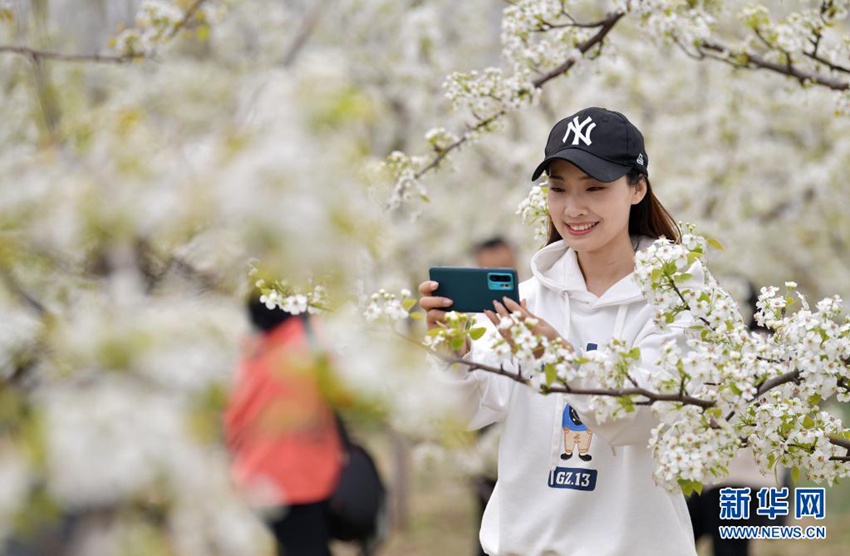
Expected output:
{"points": [[280, 430]]}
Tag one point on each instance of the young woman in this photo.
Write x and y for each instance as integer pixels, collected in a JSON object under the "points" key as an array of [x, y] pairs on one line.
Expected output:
{"points": [[569, 485]]}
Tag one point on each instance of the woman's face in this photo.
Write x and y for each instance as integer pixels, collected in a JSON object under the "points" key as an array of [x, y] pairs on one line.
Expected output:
{"points": [[590, 215]]}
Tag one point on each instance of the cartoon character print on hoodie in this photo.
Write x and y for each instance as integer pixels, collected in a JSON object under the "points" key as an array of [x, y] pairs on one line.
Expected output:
{"points": [[576, 433], [576, 436]]}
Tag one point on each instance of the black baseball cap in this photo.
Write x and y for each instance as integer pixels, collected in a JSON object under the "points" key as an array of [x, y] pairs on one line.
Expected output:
{"points": [[603, 143]]}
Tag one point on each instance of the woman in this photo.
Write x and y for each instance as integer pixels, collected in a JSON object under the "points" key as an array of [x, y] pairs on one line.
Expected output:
{"points": [[569, 485]]}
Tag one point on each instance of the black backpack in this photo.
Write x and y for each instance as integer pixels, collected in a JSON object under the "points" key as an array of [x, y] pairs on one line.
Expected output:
{"points": [[357, 509]]}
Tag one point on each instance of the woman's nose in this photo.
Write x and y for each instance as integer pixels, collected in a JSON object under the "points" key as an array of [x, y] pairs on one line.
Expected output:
{"points": [[574, 206]]}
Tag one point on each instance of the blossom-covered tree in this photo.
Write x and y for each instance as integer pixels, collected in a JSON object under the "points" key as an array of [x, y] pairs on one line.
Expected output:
{"points": [[155, 151]]}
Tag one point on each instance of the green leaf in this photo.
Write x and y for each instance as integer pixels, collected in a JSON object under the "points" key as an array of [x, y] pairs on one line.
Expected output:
{"points": [[457, 343], [408, 304], [716, 244], [795, 474], [689, 487], [476, 333], [551, 374], [808, 422], [417, 316]]}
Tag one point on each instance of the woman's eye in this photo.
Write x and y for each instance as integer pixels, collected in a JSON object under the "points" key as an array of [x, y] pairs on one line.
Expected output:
{"points": [[595, 188]]}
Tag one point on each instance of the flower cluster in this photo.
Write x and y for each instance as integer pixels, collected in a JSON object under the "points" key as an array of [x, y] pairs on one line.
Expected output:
{"points": [[685, 23], [389, 306], [441, 139], [453, 333], [691, 448], [534, 210], [490, 94], [155, 21], [280, 294], [539, 36], [405, 170], [532, 351]]}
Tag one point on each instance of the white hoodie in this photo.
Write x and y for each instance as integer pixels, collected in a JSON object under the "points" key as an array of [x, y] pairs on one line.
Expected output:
{"points": [[545, 503]]}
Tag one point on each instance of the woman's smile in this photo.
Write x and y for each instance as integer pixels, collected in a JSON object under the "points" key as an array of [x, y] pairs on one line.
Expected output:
{"points": [[580, 228]]}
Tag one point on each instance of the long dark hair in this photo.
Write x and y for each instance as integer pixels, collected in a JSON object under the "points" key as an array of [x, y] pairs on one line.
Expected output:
{"points": [[647, 218]]}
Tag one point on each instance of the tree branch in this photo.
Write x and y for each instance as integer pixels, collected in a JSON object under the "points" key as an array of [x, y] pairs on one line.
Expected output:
{"points": [[19, 290], [457, 144], [473, 366], [605, 27], [187, 17], [838, 441], [651, 396], [754, 61], [304, 33], [36, 55], [821, 60], [772, 383]]}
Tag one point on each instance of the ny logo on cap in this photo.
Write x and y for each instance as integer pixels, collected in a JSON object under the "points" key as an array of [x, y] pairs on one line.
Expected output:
{"points": [[579, 133]]}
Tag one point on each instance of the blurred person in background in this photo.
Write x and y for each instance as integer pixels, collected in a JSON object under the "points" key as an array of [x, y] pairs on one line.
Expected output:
{"points": [[282, 433], [494, 252]]}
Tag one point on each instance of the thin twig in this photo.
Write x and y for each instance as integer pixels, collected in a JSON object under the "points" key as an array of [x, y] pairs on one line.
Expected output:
{"points": [[457, 144], [304, 33], [19, 290], [183, 23], [821, 60], [36, 55], [685, 303]]}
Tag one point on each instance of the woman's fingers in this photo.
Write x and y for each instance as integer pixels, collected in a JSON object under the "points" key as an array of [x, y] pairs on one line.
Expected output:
{"points": [[428, 286], [513, 306], [428, 301], [501, 309], [433, 306]]}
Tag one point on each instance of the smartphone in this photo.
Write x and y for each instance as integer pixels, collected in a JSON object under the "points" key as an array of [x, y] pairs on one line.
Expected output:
{"points": [[472, 289]]}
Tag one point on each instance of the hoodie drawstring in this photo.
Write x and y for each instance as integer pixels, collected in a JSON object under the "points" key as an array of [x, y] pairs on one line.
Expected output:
{"points": [[620, 321]]}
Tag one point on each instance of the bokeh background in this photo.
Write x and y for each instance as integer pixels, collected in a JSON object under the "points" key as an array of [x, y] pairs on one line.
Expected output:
{"points": [[137, 189]]}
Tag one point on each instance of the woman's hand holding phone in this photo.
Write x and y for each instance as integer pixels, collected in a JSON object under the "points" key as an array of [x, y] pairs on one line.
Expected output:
{"points": [[508, 306], [435, 309]]}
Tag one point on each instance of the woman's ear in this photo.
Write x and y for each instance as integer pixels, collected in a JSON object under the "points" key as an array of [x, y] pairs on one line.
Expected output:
{"points": [[639, 191]]}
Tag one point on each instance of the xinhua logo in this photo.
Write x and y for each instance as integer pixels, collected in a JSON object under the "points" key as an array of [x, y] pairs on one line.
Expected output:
{"points": [[579, 132]]}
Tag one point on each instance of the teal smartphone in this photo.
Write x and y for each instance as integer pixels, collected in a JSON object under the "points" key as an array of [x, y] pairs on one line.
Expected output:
{"points": [[473, 289]]}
